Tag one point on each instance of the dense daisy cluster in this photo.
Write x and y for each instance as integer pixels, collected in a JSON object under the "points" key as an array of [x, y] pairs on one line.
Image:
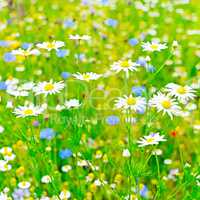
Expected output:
{"points": [[99, 99]]}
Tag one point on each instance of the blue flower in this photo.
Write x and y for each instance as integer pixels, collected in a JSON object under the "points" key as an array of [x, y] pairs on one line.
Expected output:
{"points": [[144, 191], [138, 90], [111, 22], [68, 23], [9, 57], [47, 133], [3, 85], [27, 45], [141, 62], [150, 68], [112, 120], [80, 56], [133, 41], [65, 153], [4, 43], [104, 2], [62, 53], [65, 75]]}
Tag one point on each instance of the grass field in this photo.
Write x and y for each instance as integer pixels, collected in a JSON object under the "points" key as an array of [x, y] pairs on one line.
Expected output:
{"points": [[99, 99]]}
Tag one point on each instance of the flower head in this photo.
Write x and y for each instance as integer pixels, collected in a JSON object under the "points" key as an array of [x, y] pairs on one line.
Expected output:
{"points": [[153, 138]]}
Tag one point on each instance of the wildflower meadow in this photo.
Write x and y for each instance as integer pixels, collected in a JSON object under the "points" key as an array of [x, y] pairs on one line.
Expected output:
{"points": [[99, 99]]}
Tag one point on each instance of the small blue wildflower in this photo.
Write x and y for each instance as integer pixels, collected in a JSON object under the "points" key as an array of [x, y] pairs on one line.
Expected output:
{"points": [[65, 153], [4, 43], [111, 22], [3, 85], [141, 111], [112, 120], [80, 56], [138, 90], [65, 75], [62, 53], [27, 45], [150, 68], [9, 57], [47, 133], [144, 191], [141, 62], [133, 41], [68, 23], [104, 2]]}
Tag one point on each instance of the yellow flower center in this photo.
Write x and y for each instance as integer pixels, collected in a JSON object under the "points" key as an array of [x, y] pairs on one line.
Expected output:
{"points": [[181, 90], [150, 140], [50, 45], [125, 64], [86, 76], [6, 166], [154, 46], [48, 87], [131, 101], [23, 183], [166, 104], [28, 112]]}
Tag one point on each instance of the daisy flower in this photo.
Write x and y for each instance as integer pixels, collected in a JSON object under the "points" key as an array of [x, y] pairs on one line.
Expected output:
{"points": [[48, 87], [79, 37], [165, 103], [24, 185], [27, 52], [72, 103], [124, 65], [153, 138], [153, 46], [28, 110], [65, 194], [51, 45], [136, 104], [182, 93], [4, 166], [88, 76]]}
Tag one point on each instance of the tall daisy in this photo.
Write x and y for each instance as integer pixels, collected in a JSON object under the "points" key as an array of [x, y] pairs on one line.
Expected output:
{"points": [[137, 104], [124, 65], [152, 139], [182, 93], [88, 76], [51, 45], [165, 103], [153, 46], [48, 87], [28, 110], [27, 52]]}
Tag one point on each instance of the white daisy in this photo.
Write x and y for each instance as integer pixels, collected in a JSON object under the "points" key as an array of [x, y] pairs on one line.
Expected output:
{"points": [[72, 103], [124, 65], [4, 166], [24, 185], [1, 129], [28, 110], [46, 179], [137, 104], [183, 93], [153, 138], [64, 195], [27, 52], [48, 87], [165, 103], [153, 46], [51, 45], [66, 168], [79, 37], [88, 76]]}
